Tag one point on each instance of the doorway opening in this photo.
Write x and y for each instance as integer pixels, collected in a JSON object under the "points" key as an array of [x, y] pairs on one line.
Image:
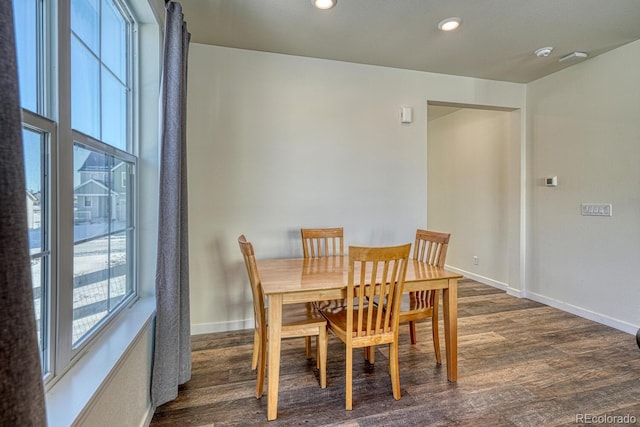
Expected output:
{"points": [[475, 188]]}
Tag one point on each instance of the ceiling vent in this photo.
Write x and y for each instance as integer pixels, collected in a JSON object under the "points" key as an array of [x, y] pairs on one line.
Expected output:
{"points": [[574, 56]]}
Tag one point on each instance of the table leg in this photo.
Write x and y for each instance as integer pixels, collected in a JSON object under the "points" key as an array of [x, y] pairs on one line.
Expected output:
{"points": [[450, 305], [274, 337]]}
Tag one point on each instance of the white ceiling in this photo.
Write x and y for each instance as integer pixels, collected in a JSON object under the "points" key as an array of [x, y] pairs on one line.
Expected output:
{"points": [[496, 41]]}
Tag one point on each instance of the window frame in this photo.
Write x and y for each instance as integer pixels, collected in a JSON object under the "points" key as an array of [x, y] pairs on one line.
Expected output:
{"points": [[53, 119], [69, 351], [48, 220], [90, 143]]}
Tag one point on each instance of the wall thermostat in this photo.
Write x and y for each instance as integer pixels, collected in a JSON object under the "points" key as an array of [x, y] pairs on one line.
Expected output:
{"points": [[551, 181], [406, 115]]}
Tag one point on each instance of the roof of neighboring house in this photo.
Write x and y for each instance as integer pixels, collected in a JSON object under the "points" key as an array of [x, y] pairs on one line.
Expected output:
{"points": [[97, 162], [93, 187]]}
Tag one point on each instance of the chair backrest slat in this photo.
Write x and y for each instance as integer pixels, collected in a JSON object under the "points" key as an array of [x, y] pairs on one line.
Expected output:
{"points": [[375, 274], [322, 242], [431, 247]]}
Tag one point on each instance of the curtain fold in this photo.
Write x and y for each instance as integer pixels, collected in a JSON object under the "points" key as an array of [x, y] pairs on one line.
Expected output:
{"points": [[172, 350], [22, 400]]}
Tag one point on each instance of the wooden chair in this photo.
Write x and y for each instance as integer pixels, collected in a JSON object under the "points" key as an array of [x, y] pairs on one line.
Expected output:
{"points": [[319, 243], [374, 274], [298, 320], [430, 247]]}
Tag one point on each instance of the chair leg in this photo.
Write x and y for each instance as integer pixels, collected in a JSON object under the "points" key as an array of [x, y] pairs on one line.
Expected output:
{"points": [[262, 366], [322, 343], [435, 334], [412, 331], [369, 354], [349, 379], [308, 346], [394, 370], [256, 349]]}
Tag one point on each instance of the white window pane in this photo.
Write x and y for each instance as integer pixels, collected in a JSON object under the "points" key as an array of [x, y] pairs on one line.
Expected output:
{"points": [[85, 90], [119, 287], [85, 22], [122, 196], [114, 111], [114, 40], [91, 193], [90, 284], [25, 19], [40, 305], [33, 143], [103, 257]]}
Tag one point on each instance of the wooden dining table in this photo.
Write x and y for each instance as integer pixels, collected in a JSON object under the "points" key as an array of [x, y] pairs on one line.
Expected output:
{"points": [[293, 280]]}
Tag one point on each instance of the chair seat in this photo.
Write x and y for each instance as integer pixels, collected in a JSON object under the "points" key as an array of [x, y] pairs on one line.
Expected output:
{"points": [[414, 307], [337, 318]]}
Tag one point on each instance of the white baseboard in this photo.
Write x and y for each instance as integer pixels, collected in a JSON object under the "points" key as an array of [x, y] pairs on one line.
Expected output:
{"points": [[582, 312], [208, 328], [560, 305], [148, 417], [487, 281]]}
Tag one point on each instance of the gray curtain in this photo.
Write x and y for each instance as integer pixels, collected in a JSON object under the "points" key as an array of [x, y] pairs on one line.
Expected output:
{"points": [[172, 351], [21, 387]]}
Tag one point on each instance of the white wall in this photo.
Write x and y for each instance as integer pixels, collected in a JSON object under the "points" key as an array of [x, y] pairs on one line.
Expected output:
{"points": [[279, 142], [468, 190], [124, 397], [584, 127]]}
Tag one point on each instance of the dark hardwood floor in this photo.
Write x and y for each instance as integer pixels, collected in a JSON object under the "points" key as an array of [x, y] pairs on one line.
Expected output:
{"points": [[520, 363]]}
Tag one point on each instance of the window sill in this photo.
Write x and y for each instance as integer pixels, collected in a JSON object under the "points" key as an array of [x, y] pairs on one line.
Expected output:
{"points": [[74, 392]]}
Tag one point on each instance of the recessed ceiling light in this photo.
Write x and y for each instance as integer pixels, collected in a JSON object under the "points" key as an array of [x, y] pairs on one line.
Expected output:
{"points": [[450, 24], [324, 4], [543, 51]]}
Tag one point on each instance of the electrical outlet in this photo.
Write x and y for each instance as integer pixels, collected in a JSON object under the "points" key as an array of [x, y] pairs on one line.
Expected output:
{"points": [[596, 209], [475, 260]]}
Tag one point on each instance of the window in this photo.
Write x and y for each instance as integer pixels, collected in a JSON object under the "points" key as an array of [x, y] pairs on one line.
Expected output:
{"points": [[80, 167], [103, 231], [35, 145], [38, 137], [100, 71], [103, 237], [29, 35]]}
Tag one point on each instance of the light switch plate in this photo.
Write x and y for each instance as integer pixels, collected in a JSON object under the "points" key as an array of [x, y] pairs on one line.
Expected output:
{"points": [[597, 209]]}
